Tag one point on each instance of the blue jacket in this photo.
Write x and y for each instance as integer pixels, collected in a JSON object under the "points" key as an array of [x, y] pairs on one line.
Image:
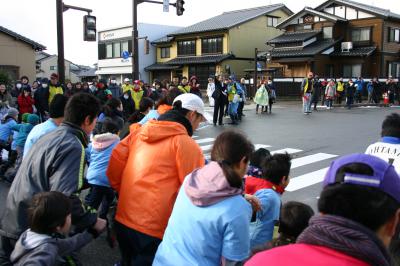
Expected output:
{"points": [[360, 84], [23, 132], [6, 129], [98, 154], [37, 132], [261, 231]]}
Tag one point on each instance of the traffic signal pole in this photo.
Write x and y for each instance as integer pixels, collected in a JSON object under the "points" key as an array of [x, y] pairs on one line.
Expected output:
{"points": [[60, 8], [135, 33]]}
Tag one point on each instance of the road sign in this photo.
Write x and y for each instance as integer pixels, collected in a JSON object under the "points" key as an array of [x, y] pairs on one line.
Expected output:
{"points": [[125, 54], [166, 5]]}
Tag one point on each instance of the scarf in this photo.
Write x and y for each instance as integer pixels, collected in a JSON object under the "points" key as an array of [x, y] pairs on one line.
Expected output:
{"points": [[345, 236], [254, 184]]}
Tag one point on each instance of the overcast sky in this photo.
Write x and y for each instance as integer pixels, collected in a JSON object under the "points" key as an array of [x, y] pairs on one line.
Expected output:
{"points": [[37, 20]]}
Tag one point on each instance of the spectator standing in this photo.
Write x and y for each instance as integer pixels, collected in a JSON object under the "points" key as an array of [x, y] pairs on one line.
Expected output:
{"points": [[390, 89], [220, 97], [317, 93], [243, 88], [5, 97], [330, 92], [137, 94], [6, 132], [102, 93], [69, 89], [233, 99], [359, 89], [128, 105], [65, 155], [210, 91], [25, 101], [307, 89], [350, 91], [41, 98], [175, 82], [127, 86], [359, 208], [147, 192], [195, 86], [261, 98], [114, 88], [271, 94], [184, 87], [54, 87], [210, 207], [339, 91]]}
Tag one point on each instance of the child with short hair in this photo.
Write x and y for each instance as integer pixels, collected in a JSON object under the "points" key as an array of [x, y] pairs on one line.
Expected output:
{"points": [[44, 243], [293, 219], [275, 178], [254, 171]]}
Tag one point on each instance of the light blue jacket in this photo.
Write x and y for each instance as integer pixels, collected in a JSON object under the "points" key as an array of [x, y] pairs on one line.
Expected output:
{"points": [[6, 129], [98, 155], [37, 132], [261, 231]]}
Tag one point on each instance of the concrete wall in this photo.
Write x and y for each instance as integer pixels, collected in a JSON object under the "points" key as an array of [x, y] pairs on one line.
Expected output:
{"points": [[19, 54], [253, 34]]}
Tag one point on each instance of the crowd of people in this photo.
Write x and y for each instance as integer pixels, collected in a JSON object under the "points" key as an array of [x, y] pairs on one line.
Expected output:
{"points": [[173, 206], [314, 90]]}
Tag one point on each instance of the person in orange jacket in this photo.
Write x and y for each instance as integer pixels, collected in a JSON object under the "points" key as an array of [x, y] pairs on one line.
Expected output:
{"points": [[148, 189]]}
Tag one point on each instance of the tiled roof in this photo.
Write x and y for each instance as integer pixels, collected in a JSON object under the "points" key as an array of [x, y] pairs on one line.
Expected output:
{"points": [[367, 8], [229, 19], [165, 39], [87, 73], [160, 66], [36, 46], [309, 10], [189, 60], [296, 36], [310, 50], [359, 51]]}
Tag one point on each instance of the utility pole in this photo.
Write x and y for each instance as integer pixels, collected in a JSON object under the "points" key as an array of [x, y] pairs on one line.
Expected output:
{"points": [[135, 42], [60, 42], [135, 33]]}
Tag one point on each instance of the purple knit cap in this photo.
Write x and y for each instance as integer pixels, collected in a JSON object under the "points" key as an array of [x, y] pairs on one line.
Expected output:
{"points": [[384, 177]]}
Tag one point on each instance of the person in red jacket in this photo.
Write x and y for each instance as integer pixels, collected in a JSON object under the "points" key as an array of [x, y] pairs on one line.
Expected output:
{"points": [[25, 101], [359, 214]]}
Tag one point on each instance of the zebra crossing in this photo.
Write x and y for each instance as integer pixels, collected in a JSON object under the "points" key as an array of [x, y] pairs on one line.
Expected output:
{"points": [[297, 182]]}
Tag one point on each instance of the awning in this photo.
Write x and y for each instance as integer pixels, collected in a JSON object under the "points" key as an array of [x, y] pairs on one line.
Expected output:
{"points": [[359, 51], [205, 59], [294, 60], [160, 66]]}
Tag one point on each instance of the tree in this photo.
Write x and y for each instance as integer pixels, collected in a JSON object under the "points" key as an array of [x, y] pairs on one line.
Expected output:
{"points": [[5, 78]]}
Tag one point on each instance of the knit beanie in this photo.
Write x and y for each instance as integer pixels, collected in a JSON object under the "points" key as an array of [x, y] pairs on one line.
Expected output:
{"points": [[33, 119], [24, 117]]}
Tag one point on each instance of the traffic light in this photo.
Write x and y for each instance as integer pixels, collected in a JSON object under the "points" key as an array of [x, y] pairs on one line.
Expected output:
{"points": [[179, 7], [89, 28], [146, 46]]}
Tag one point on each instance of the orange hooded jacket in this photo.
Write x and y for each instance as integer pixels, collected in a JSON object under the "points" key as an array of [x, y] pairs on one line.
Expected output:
{"points": [[147, 169]]}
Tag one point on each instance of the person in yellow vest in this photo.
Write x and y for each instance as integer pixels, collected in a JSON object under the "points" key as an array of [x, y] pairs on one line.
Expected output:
{"points": [[339, 91], [127, 86], [184, 87], [137, 94], [307, 88], [54, 87]]}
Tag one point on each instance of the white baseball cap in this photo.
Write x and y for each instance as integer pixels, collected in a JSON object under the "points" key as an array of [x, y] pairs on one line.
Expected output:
{"points": [[192, 102], [126, 80]]}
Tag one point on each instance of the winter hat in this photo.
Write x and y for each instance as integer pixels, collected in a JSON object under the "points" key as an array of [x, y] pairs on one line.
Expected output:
{"points": [[24, 117], [57, 106], [12, 112], [384, 178], [33, 119], [54, 76], [27, 88], [191, 102]]}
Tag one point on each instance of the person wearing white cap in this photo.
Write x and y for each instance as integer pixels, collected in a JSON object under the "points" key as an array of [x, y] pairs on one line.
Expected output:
{"points": [[127, 86], [147, 169]]}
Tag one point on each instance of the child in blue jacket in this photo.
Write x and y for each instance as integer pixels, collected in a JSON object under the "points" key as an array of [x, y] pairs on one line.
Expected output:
{"points": [[6, 130]]}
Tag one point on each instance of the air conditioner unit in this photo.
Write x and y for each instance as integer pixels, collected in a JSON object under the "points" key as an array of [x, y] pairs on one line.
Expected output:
{"points": [[347, 46]]}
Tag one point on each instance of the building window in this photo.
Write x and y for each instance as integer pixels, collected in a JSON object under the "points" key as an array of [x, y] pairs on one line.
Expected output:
{"points": [[165, 52], [394, 35], [125, 46], [187, 47], [351, 71], [53, 67], [272, 21], [109, 50], [361, 34], [117, 49], [211, 46], [307, 27], [394, 69], [327, 32]]}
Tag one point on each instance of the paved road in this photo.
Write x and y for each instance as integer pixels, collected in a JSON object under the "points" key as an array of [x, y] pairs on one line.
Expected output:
{"points": [[313, 140]]}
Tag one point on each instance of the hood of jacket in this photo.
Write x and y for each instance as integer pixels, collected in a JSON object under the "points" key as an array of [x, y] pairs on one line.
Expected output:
{"points": [[171, 124], [29, 240], [163, 108], [103, 141], [207, 186]]}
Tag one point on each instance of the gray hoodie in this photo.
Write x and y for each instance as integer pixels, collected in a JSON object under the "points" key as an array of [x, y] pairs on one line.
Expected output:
{"points": [[43, 250]]}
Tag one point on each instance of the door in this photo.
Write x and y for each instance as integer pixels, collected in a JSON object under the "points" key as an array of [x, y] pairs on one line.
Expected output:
{"points": [[202, 72]]}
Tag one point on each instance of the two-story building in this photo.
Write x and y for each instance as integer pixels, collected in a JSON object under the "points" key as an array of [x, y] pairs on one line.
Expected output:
{"points": [[339, 38], [223, 44]]}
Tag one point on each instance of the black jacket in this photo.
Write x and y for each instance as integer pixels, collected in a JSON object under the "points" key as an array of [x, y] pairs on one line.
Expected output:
{"points": [[128, 106], [56, 162], [220, 91], [41, 98]]}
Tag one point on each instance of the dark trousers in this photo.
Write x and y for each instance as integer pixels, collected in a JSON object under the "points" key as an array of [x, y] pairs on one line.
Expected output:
{"points": [[218, 110], [349, 102], [100, 195], [6, 247], [240, 110], [136, 248]]}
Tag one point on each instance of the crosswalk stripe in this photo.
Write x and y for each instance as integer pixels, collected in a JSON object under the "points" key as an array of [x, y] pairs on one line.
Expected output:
{"points": [[199, 141], [206, 147], [259, 146], [306, 180], [195, 137], [298, 162], [288, 150]]}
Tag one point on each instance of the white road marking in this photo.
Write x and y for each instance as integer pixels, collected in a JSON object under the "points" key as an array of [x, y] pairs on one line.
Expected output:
{"points": [[288, 150], [206, 147], [199, 141], [306, 180], [298, 162], [259, 146]]}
